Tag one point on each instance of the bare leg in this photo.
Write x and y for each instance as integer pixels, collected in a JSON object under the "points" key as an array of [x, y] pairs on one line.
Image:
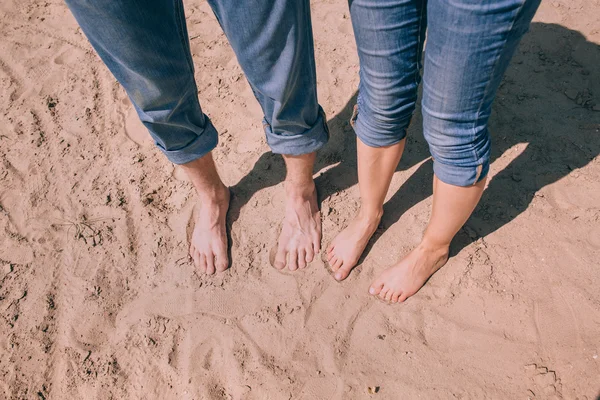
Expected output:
{"points": [[376, 167], [452, 206], [300, 237], [209, 241]]}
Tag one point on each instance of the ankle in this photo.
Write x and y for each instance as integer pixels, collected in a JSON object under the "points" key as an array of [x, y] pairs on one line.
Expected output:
{"points": [[216, 194], [300, 188], [432, 245], [370, 217]]}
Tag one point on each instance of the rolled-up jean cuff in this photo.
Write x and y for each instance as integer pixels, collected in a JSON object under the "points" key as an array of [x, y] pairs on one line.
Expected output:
{"points": [[377, 138], [199, 147], [307, 142], [460, 175]]}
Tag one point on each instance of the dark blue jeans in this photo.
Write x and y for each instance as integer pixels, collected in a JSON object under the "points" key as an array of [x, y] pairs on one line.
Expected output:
{"points": [[469, 46], [145, 45]]}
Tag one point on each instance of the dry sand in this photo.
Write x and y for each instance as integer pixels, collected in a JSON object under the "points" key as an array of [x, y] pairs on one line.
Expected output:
{"points": [[98, 300]]}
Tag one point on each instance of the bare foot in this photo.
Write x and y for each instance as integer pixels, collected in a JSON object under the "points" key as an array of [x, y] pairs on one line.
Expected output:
{"points": [[209, 240], [300, 237], [404, 279], [345, 250]]}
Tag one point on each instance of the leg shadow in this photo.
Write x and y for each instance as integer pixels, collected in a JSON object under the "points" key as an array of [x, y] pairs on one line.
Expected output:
{"points": [[555, 93], [559, 130]]}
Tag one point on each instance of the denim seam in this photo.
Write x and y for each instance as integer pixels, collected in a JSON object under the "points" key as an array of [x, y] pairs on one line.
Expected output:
{"points": [[356, 110], [310, 39], [178, 17], [420, 44], [182, 37], [177, 4], [479, 169], [487, 88]]}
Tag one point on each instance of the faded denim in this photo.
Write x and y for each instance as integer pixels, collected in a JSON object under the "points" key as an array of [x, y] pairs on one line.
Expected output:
{"points": [[469, 46], [145, 45]]}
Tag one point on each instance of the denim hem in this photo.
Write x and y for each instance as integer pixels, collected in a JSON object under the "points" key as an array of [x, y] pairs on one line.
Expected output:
{"points": [[456, 175], [371, 139], [199, 147], [309, 141]]}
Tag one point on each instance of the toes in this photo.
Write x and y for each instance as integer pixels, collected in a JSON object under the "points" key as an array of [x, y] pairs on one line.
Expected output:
{"points": [[221, 263], [343, 272], [388, 295], [330, 257], [202, 262], [301, 259], [317, 244], [402, 297], [331, 260], [221, 259], [197, 261], [310, 254], [395, 297], [210, 264], [376, 288], [280, 258], [221, 256], [330, 248], [383, 293], [336, 263], [293, 260]]}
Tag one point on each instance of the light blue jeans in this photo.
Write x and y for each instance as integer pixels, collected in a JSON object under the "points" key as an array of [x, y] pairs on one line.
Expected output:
{"points": [[469, 46], [145, 45]]}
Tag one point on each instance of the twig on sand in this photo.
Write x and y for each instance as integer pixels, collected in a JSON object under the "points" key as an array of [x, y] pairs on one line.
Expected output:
{"points": [[84, 229]]}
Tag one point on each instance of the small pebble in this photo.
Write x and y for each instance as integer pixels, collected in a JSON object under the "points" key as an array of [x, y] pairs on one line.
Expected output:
{"points": [[7, 268], [373, 389], [571, 93]]}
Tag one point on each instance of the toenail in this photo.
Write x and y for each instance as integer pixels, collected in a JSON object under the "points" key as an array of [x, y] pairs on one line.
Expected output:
{"points": [[372, 291], [338, 276]]}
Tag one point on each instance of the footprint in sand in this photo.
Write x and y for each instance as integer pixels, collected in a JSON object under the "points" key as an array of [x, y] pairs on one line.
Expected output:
{"points": [[68, 56], [593, 237], [543, 383], [187, 304], [324, 388], [556, 324]]}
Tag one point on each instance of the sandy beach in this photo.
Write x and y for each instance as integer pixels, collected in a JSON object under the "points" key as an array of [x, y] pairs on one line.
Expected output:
{"points": [[98, 299]]}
